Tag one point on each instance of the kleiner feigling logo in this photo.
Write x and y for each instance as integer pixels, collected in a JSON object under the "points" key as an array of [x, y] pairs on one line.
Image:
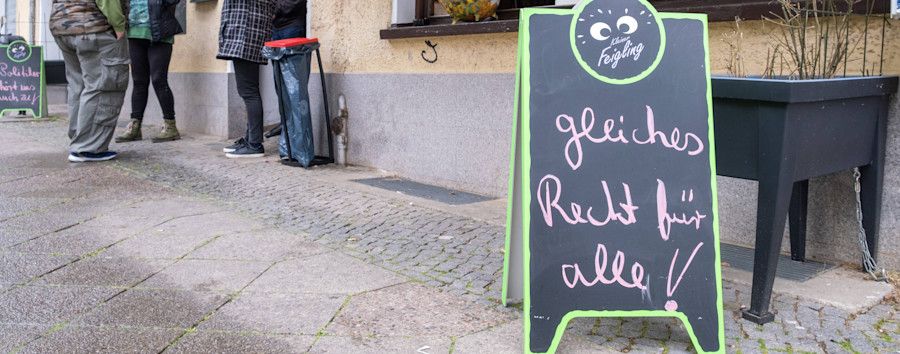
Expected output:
{"points": [[618, 41]]}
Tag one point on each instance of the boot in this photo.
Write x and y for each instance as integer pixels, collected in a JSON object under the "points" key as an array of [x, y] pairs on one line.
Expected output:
{"points": [[132, 132], [169, 132]]}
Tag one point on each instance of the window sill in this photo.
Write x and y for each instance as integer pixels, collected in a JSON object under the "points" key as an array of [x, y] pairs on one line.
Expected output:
{"points": [[726, 10], [447, 29]]}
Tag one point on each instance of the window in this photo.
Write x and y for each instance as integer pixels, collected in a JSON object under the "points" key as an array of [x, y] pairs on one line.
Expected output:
{"points": [[433, 22]]}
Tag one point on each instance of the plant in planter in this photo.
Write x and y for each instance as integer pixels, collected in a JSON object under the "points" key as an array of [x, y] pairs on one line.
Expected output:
{"points": [[470, 10], [804, 117]]}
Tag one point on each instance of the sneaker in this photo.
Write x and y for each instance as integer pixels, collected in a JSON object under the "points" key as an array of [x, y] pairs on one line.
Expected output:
{"points": [[88, 157], [247, 151], [237, 145]]}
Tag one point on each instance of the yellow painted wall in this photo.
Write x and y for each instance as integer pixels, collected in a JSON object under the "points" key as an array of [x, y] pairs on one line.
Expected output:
{"points": [[349, 33], [196, 50]]}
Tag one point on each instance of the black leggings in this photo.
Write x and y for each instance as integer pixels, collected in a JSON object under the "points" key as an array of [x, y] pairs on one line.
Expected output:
{"points": [[246, 75], [150, 61]]}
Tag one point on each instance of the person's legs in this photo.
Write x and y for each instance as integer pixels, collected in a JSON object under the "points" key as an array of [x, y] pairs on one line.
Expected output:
{"points": [[74, 79], [140, 76], [138, 50], [160, 55], [246, 76], [104, 63]]}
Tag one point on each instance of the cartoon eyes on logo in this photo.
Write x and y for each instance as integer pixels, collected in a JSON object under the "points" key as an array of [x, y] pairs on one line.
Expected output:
{"points": [[601, 31], [18, 51]]}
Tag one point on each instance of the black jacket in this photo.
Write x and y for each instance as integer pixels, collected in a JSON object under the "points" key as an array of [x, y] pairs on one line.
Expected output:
{"points": [[289, 13], [162, 19]]}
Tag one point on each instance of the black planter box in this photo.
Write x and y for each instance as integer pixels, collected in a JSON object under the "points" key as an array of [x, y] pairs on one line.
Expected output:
{"points": [[783, 132]]}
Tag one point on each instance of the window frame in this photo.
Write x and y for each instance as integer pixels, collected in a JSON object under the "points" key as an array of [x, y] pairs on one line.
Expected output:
{"points": [[717, 11]]}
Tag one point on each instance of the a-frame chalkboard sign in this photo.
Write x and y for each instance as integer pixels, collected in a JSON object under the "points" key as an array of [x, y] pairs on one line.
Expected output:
{"points": [[612, 205], [22, 78]]}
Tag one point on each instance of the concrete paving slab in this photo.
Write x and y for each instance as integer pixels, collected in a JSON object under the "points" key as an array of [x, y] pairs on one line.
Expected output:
{"points": [[260, 245], [276, 313], [509, 339], [503, 339], [63, 215], [378, 345], [124, 222], [75, 241], [76, 339], [16, 206], [329, 273], [17, 335], [105, 271], [206, 342], [45, 181], [207, 275], [413, 309], [155, 308], [170, 207], [214, 224], [155, 244], [18, 268], [849, 290], [50, 305], [10, 238]]}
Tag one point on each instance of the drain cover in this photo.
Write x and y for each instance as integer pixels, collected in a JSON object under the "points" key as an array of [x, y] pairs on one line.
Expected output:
{"points": [[742, 258], [440, 194]]}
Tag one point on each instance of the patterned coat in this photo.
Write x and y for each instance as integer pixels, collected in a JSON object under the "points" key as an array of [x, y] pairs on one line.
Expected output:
{"points": [[246, 26], [73, 17]]}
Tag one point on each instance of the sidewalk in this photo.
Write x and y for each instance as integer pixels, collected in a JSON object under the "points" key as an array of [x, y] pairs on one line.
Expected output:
{"points": [[174, 248]]}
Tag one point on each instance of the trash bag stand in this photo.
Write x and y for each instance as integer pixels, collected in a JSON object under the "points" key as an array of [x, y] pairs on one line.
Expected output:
{"points": [[289, 160]]}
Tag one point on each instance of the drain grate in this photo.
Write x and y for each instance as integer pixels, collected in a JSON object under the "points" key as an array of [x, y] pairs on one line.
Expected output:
{"points": [[742, 258], [440, 194]]}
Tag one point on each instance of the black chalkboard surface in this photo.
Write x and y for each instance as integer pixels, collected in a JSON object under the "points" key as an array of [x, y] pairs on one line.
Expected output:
{"points": [[21, 78], [612, 194]]}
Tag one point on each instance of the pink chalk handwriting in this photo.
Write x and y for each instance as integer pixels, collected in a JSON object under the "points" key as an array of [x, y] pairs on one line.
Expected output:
{"points": [[671, 289], [17, 71], [549, 202], [618, 265], [566, 124], [665, 219]]}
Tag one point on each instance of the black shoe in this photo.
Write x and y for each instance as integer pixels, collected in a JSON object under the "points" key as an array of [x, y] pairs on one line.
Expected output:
{"points": [[247, 151], [275, 131], [237, 145]]}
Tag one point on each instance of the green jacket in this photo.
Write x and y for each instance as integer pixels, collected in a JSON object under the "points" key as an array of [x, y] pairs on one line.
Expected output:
{"points": [[72, 17]]}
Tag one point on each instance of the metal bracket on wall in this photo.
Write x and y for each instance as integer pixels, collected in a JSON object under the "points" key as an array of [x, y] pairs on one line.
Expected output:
{"points": [[433, 49]]}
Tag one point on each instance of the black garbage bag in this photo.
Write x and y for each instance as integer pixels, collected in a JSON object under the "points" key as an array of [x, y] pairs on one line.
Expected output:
{"points": [[292, 84]]}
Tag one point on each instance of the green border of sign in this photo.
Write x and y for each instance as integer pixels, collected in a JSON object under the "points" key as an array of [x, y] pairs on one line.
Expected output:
{"points": [[638, 77], [523, 109], [41, 97]]}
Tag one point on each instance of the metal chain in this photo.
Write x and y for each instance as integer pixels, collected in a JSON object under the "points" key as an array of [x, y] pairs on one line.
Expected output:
{"points": [[868, 262]]}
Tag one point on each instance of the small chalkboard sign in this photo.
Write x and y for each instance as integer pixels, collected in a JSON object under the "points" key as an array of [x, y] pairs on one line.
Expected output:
{"points": [[612, 193], [21, 78]]}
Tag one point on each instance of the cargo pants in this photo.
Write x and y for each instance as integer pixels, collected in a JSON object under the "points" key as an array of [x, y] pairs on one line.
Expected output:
{"points": [[97, 72]]}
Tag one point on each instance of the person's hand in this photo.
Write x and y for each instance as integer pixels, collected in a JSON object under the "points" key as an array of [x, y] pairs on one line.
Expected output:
{"points": [[119, 35]]}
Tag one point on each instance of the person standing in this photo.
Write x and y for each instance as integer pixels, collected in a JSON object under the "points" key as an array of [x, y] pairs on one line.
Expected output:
{"points": [[152, 27], [289, 20], [90, 34], [246, 26]]}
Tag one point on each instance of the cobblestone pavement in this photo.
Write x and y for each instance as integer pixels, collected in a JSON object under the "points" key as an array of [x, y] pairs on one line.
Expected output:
{"points": [[459, 254]]}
